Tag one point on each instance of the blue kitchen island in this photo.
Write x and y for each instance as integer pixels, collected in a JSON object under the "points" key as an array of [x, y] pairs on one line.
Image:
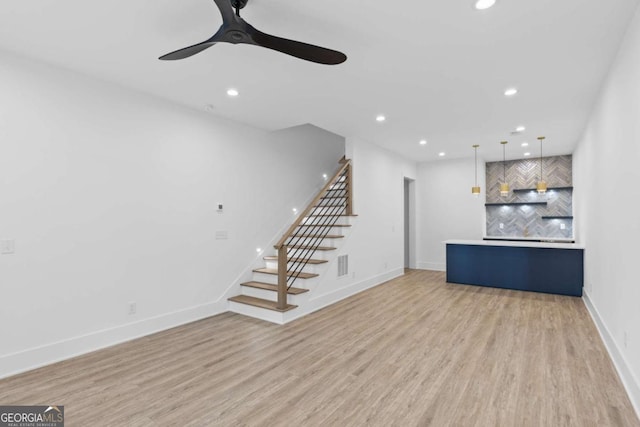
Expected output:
{"points": [[554, 268]]}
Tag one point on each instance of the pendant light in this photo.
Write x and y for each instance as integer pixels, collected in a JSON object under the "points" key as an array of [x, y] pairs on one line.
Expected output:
{"points": [[476, 189], [542, 186], [504, 187]]}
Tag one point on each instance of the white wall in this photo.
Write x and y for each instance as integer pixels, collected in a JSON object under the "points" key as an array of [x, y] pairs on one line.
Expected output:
{"points": [[607, 202], [375, 242], [446, 208], [111, 198]]}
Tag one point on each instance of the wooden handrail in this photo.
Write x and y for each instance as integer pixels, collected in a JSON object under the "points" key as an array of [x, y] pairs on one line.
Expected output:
{"points": [[281, 246], [311, 205]]}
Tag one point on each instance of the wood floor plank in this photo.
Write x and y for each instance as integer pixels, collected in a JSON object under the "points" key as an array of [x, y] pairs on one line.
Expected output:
{"points": [[414, 351]]}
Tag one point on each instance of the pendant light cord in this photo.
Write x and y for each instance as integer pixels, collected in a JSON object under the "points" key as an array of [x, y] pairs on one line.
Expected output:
{"points": [[476, 162], [540, 160], [504, 167]]}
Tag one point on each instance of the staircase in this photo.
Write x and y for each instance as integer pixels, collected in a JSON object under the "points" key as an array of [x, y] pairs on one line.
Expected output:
{"points": [[302, 252]]}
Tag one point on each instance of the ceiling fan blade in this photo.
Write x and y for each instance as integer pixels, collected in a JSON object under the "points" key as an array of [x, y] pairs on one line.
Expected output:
{"points": [[236, 30], [187, 51], [228, 18], [226, 10], [300, 50]]}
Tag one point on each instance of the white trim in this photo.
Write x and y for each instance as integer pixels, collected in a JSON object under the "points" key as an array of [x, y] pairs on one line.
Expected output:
{"points": [[330, 298], [16, 363], [259, 313], [630, 383], [517, 244], [435, 266]]}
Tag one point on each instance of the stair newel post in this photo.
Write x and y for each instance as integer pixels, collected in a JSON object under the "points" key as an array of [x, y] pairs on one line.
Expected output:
{"points": [[349, 189], [282, 277]]}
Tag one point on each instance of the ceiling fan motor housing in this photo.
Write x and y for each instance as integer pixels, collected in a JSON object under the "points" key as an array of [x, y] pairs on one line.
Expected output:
{"points": [[239, 4]]}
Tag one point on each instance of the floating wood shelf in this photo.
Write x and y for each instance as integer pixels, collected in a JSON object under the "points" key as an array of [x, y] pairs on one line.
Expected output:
{"points": [[516, 204], [526, 190], [557, 217]]}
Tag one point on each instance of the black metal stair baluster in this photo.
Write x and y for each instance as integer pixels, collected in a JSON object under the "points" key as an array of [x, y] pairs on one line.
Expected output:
{"points": [[304, 256], [324, 226]]}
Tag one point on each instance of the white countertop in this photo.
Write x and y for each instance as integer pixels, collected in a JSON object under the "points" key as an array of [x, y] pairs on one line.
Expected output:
{"points": [[531, 239], [515, 244]]}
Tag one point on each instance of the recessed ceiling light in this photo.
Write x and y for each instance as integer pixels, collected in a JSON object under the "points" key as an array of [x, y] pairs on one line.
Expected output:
{"points": [[521, 129], [527, 154], [511, 91], [484, 4], [380, 118], [442, 154], [525, 144], [423, 142], [233, 92]]}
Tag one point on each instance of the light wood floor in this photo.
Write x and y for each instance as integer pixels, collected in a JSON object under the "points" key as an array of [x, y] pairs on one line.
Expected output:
{"points": [[415, 351]]}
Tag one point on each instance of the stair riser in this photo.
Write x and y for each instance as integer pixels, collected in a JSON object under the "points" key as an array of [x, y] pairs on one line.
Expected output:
{"points": [[323, 221], [319, 229], [256, 312], [309, 268], [330, 210], [319, 255], [272, 279], [273, 296], [308, 241], [332, 202]]}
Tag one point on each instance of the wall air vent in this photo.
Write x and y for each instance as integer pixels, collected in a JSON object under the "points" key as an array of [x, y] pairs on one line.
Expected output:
{"points": [[343, 265]]}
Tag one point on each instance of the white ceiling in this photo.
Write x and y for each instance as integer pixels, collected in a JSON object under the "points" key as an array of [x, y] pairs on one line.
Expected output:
{"points": [[436, 68]]}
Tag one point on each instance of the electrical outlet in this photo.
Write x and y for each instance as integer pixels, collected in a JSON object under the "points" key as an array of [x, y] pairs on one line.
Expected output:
{"points": [[132, 308], [562, 226], [501, 226], [385, 266]]}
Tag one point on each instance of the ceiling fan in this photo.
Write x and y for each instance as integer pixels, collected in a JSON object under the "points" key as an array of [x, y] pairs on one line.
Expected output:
{"points": [[236, 30]]}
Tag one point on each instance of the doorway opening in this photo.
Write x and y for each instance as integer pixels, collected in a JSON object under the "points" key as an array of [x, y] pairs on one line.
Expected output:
{"points": [[409, 223]]}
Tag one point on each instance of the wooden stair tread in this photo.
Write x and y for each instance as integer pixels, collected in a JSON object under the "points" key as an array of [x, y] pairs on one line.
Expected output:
{"points": [[301, 275], [310, 216], [328, 236], [317, 248], [324, 225], [274, 288], [311, 261], [262, 303], [334, 197]]}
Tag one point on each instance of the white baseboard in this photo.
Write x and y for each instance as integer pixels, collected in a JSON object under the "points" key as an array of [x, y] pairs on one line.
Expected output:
{"points": [[257, 312], [333, 297], [630, 383], [38, 357], [435, 266]]}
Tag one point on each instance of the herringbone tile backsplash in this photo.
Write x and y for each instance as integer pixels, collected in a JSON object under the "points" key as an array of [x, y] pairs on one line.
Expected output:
{"points": [[526, 220]]}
